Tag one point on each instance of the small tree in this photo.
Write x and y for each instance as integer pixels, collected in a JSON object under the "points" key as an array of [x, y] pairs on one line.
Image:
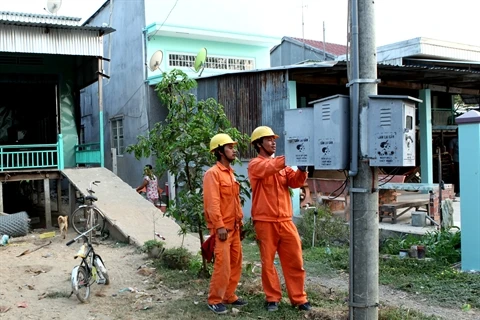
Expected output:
{"points": [[180, 145]]}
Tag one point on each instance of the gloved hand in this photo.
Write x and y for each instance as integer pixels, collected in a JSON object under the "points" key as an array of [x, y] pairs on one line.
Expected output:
{"points": [[302, 168]]}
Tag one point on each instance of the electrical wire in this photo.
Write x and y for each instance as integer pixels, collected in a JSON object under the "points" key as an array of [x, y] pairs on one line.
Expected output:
{"points": [[343, 186], [166, 18], [390, 176]]}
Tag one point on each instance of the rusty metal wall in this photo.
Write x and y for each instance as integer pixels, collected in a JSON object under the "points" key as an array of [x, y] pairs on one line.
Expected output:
{"points": [[250, 100]]}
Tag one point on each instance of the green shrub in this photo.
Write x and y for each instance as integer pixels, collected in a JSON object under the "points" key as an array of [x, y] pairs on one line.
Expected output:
{"points": [[443, 245], [153, 248], [177, 258], [329, 230], [249, 230]]}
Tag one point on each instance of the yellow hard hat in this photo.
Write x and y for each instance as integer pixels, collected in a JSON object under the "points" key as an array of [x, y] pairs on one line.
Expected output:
{"points": [[219, 140], [262, 131]]}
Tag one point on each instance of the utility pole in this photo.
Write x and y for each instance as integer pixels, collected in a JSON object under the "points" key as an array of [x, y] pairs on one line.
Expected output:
{"points": [[364, 232]]}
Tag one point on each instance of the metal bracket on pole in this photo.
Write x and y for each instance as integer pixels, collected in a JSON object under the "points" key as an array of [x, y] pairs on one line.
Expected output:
{"points": [[363, 81], [359, 190], [361, 305]]}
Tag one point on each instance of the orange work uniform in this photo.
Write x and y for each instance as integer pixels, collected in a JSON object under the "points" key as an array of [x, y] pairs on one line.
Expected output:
{"points": [[272, 217], [221, 203]]}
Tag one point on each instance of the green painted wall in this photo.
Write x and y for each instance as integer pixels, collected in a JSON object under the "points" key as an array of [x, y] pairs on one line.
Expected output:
{"points": [[261, 55]]}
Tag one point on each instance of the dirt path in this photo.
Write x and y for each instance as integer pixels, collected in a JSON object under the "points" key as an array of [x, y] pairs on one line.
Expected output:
{"points": [[26, 281], [397, 298]]}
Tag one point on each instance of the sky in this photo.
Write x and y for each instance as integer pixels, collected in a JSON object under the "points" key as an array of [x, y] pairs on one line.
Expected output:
{"points": [[396, 20]]}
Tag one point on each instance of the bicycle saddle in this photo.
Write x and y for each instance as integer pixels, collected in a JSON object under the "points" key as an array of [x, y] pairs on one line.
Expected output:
{"points": [[91, 198]]}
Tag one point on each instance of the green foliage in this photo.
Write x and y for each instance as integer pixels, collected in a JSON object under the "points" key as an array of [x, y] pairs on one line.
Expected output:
{"points": [[180, 146], [441, 245], [393, 245], [150, 244], [329, 230], [249, 230], [177, 258]]}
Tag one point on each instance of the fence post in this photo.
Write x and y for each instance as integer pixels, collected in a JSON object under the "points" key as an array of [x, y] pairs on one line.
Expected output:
{"points": [[60, 152]]}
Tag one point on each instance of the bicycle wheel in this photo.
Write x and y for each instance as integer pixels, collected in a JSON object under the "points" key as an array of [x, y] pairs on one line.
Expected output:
{"points": [[80, 283], [81, 219], [102, 270]]}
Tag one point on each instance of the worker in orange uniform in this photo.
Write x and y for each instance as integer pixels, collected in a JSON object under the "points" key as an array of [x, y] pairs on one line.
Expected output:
{"points": [[223, 213], [272, 214]]}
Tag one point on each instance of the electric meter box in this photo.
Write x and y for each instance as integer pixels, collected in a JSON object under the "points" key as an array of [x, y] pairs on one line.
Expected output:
{"points": [[332, 132], [299, 137], [391, 125]]}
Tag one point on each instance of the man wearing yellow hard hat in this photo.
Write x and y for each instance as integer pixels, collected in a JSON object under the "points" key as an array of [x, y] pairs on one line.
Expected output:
{"points": [[272, 215], [223, 213]]}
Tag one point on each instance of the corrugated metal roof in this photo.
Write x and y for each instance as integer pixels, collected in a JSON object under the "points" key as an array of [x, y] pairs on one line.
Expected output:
{"points": [[23, 39], [38, 18], [45, 34], [333, 48]]}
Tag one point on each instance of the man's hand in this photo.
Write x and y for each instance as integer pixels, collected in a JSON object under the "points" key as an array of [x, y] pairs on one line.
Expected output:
{"points": [[222, 234], [302, 168]]}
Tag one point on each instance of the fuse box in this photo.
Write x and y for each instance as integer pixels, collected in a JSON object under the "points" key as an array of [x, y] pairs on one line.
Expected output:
{"points": [[332, 132], [299, 137], [392, 132]]}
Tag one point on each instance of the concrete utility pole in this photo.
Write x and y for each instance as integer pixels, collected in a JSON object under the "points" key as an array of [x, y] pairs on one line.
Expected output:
{"points": [[364, 182]]}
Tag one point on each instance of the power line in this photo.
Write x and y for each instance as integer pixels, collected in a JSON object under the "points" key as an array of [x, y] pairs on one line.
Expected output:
{"points": [[166, 18]]}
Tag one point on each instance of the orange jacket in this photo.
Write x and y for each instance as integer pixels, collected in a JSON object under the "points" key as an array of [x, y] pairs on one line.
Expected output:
{"points": [[221, 198], [270, 179]]}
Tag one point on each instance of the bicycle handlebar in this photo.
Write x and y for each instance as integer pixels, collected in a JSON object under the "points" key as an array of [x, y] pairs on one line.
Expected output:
{"points": [[95, 183], [81, 235]]}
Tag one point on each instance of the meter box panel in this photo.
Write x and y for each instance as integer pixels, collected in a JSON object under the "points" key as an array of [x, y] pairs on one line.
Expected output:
{"points": [[392, 134], [332, 132], [299, 137]]}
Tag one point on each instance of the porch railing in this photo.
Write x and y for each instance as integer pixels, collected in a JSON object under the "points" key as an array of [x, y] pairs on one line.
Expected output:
{"points": [[32, 156], [88, 153]]}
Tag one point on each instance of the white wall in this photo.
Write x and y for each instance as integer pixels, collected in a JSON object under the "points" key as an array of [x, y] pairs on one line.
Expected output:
{"points": [[244, 16]]}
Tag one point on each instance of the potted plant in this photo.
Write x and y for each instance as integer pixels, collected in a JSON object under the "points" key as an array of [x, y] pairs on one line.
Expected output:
{"points": [[154, 248]]}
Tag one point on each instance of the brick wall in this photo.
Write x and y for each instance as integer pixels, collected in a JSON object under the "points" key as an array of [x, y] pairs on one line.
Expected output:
{"points": [[448, 193]]}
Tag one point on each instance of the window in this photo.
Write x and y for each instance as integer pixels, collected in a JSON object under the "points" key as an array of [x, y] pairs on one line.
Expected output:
{"points": [[213, 62], [409, 124], [117, 135], [82, 134]]}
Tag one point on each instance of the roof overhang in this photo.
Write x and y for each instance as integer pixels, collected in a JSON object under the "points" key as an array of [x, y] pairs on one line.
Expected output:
{"points": [[51, 38], [158, 30], [439, 79]]}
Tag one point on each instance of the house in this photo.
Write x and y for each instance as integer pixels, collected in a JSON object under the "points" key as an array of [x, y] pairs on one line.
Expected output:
{"points": [[45, 61], [293, 50], [143, 47]]}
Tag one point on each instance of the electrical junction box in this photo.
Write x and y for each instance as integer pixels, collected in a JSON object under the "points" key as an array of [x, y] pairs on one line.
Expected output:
{"points": [[391, 125], [299, 137], [332, 132]]}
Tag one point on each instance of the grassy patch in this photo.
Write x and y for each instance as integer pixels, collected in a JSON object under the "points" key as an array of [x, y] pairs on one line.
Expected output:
{"points": [[436, 280], [328, 304]]}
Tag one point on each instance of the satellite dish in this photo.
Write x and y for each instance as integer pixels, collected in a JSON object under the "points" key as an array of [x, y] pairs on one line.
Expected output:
{"points": [[200, 60], [156, 60], [53, 6]]}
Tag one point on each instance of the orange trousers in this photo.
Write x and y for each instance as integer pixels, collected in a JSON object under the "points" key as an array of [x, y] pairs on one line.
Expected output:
{"points": [[281, 237], [227, 268]]}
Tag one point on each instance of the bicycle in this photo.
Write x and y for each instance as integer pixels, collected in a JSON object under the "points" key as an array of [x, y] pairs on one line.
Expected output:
{"points": [[90, 270], [88, 215]]}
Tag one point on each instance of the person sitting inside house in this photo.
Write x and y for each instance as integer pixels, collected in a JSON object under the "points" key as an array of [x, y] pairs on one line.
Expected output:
{"points": [[150, 185]]}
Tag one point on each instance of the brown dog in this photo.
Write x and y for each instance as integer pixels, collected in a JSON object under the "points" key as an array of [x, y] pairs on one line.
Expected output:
{"points": [[63, 225]]}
